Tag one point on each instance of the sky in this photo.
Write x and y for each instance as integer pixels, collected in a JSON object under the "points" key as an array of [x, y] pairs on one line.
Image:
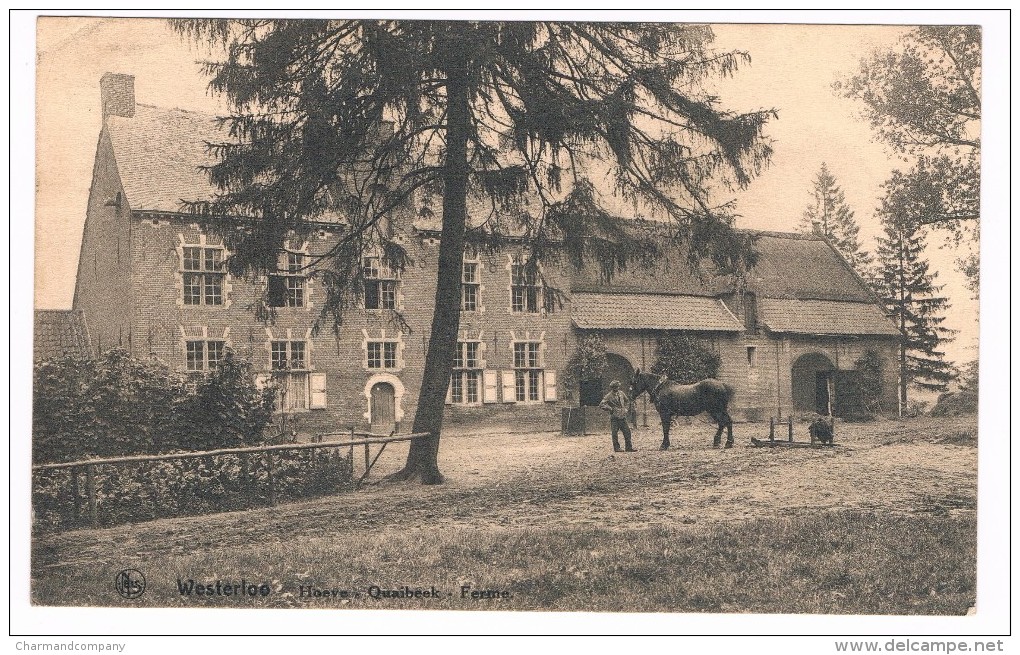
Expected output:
{"points": [[792, 69]]}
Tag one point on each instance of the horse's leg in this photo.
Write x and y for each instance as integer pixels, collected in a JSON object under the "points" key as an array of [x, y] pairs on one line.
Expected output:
{"points": [[666, 420], [718, 433], [729, 430]]}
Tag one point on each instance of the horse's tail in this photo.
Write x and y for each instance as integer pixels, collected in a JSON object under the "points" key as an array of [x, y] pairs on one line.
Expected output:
{"points": [[728, 392]]}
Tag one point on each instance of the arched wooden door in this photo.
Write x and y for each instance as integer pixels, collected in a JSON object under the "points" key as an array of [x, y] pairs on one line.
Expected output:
{"points": [[383, 408]]}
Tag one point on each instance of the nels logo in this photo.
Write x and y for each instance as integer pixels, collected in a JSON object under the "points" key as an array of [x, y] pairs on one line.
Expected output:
{"points": [[130, 583]]}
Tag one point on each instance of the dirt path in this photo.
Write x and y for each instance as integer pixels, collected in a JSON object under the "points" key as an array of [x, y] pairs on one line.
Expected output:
{"points": [[547, 480]]}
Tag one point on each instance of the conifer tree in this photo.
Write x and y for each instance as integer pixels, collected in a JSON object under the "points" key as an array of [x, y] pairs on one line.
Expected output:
{"points": [[907, 287], [525, 116], [830, 210]]}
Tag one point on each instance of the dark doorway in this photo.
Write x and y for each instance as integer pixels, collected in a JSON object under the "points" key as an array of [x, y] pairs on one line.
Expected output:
{"points": [[823, 381], [811, 379], [617, 368], [383, 408]]}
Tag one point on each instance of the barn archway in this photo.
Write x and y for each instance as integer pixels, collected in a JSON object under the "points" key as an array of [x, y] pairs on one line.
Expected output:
{"points": [[811, 378], [617, 368]]}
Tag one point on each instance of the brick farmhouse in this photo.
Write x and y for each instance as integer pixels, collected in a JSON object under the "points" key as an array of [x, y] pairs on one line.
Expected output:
{"points": [[149, 280]]}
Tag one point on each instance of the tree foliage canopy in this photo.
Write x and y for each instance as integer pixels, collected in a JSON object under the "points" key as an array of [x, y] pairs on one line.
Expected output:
{"points": [[348, 118], [923, 99]]}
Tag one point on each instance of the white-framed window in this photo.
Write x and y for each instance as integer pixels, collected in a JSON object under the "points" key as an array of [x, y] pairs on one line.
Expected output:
{"points": [[524, 289], [528, 293], [203, 275], [382, 354], [527, 371], [466, 381], [470, 286], [289, 364], [204, 355], [380, 284], [288, 287]]}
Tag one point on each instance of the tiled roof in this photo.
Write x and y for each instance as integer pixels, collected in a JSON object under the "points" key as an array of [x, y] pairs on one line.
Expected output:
{"points": [[789, 266], [59, 333], [158, 154], [824, 317], [803, 267], [649, 311]]}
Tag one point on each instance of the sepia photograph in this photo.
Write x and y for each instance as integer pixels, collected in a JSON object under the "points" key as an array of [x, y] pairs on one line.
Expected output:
{"points": [[540, 315]]}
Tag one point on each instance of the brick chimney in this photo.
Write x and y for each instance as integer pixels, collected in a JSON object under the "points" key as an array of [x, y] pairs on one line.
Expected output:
{"points": [[816, 228], [118, 93]]}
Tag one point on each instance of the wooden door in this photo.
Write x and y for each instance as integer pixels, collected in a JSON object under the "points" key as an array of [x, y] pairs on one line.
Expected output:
{"points": [[383, 409]]}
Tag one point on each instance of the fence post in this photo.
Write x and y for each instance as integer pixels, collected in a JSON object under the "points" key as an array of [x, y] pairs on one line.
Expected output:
{"points": [[791, 429], [367, 465], [772, 429], [272, 482], [90, 489], [351, 454]]}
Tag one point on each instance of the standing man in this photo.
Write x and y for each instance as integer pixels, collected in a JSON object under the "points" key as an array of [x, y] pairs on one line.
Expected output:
{"points": [[618, 405]]}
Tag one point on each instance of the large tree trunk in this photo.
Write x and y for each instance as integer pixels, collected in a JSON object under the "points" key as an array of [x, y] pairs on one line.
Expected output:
{"points": [[422, 459]]}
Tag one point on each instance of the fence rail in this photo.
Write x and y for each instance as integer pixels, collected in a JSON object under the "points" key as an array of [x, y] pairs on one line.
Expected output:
{"points": [[366, 439]]}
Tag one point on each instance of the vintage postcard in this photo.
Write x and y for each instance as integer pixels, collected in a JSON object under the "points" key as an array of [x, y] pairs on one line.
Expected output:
{"points": [[611, 315]]}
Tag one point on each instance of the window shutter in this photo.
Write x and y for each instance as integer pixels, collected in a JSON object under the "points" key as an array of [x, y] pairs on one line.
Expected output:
{"points": [[550, 386], [317, 399], [449, 393], [509, 387], [489, 385]]}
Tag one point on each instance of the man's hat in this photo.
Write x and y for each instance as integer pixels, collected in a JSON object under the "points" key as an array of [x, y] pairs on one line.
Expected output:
{"points": [[615, 384]]}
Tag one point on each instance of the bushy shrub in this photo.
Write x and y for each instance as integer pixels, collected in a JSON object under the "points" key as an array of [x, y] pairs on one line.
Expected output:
{"points": [[871, 369], [955, 403], [588, 361], [226, 410], [915, 409], [114, 405], [684, 358], [118, 405], [150, 490], [965, 400]]}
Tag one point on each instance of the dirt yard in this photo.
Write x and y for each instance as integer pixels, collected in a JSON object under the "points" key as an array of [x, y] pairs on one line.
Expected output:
{"points": [[506, 480]]}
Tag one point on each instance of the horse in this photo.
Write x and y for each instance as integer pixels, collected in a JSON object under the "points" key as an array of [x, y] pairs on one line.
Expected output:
{"points": [[674, 399]]}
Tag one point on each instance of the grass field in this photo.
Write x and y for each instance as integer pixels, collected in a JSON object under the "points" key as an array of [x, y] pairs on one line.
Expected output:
{"points": [[883, 524]]}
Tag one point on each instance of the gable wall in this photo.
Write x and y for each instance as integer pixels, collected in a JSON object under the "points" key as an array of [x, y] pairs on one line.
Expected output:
{"points": [[102, 290]]}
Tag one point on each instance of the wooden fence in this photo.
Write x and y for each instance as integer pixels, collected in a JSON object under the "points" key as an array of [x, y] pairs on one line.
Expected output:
{"points": [[365, 439]]}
